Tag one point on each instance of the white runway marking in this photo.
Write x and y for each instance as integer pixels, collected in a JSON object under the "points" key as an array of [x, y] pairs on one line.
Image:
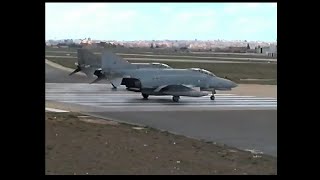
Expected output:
{"points": [[55, 110], [101, 95]]}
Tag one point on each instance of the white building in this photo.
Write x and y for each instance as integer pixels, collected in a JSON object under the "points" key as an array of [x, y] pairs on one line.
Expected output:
{"points": [[267, 50]]}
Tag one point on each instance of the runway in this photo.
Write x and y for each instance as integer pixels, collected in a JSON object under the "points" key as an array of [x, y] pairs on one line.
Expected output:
{"points": [[254, 130], [199, 118], [101, 95], [245, 122]]}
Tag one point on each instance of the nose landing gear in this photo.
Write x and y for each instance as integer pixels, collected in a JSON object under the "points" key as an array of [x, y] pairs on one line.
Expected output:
{"points": [[145, 96], [213, 93]]}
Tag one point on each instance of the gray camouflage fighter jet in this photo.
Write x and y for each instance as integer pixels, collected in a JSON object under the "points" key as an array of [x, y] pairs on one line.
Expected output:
{"points": [[193, 82], [89, 62]]}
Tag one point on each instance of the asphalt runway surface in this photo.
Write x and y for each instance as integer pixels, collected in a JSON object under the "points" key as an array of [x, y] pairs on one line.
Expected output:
{"points": [[102, 95], [248, 130], [245, 122]]}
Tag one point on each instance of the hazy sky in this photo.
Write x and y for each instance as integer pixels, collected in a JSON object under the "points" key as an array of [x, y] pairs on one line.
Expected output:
{"points": [[159, 21]]}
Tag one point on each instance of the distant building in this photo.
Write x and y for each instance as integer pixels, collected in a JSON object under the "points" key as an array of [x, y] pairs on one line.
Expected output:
{"points": [[77, 41], [273, 49], [86, 42], [52, 43], [68, 41], [261, 50], [268, 50], [101, 44]]}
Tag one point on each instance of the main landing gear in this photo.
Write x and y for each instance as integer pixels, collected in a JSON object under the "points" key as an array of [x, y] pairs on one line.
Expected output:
{"points": [[113, 86], [212, 96], [175, 98], [145, 96]]}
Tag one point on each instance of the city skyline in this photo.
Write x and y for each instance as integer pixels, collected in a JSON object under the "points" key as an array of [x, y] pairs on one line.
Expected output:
{"points": [[162, 21]]}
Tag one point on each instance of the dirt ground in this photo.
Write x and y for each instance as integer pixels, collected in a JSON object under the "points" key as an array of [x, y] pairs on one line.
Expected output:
{"points": [[78, 145]]}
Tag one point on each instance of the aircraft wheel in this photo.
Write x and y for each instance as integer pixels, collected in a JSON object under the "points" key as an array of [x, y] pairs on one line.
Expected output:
{"points": [[175, 98], [212, 97], [145, 96]]}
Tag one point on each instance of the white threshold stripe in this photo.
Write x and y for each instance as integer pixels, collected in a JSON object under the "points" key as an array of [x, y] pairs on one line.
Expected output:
{"points": [[55, 110]]}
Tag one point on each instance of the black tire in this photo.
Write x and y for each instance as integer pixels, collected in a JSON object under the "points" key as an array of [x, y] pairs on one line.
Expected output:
{"points": [[212, 97], [145, 96], [175, 98]]}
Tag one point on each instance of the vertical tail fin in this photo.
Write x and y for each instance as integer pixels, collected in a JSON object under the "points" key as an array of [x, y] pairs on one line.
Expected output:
{"points": [[87, 61], [110, 66], [111, 61], [86, 57]]}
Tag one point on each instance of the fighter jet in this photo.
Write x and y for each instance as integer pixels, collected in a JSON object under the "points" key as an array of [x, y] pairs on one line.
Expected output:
{"points": [[88, 63], [192, 82]]}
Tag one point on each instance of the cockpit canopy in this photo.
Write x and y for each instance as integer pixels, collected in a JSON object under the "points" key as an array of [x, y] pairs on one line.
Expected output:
{"points": [[202, 71], [153, 65], [161, 65]]}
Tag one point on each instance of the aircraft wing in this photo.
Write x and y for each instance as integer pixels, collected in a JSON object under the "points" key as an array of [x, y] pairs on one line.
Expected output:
{"points": [[179, 90]]}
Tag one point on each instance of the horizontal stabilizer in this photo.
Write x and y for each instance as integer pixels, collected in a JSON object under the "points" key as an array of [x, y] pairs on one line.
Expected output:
{"points": [[75, 71], [97, 80]]}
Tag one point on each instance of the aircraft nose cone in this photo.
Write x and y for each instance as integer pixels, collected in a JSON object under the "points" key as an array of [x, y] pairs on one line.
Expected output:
{"points": [[233, 84], [229, 84], [221, 83]]}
